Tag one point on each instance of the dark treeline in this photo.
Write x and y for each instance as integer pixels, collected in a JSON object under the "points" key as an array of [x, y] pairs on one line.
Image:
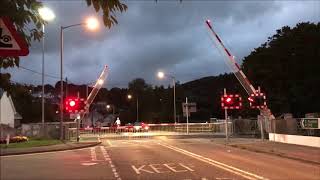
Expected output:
{"points": [[287, 67]]}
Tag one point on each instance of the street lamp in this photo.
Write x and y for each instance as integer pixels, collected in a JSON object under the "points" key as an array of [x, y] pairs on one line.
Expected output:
{"points": [[130, 97], [113, 108], [162, 75], [91, 24], [47, 15]]}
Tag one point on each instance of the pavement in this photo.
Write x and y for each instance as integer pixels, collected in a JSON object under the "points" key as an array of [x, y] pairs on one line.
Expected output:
{"points": [[39, 149], [291, 151], [158, 158]]}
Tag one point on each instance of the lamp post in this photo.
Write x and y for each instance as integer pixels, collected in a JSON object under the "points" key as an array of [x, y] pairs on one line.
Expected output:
{"points": [[130, 97], [162, 75], [47, 15], [91, 24], [113, 108]]}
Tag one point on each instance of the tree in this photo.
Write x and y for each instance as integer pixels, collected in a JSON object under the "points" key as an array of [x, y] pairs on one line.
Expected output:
{"points": [[287, 67], [26, 18]]}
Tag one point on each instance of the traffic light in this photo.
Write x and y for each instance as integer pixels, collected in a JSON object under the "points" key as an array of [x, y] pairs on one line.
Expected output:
{"points": [[231, 101], [257, 101], [74, 105]]}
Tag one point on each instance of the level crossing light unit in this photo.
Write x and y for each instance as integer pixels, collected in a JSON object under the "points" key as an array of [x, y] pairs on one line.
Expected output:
{"points": [[92, 24]]}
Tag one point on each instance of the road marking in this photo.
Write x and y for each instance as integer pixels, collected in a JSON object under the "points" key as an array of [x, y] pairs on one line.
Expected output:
{"points": [[157, 169], [162, 168], [88, 164], [108, 158], [218, 164], [137, 170], [109, 143], [173, 168], [93, 154]]}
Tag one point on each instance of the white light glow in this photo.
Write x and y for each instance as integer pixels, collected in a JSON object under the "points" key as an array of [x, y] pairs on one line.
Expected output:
{"points": [[160, 75], [46, 14], [92, 23]]}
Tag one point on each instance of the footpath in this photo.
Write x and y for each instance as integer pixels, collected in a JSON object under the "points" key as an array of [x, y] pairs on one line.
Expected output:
{"points": [[291, 151], [50, 148]]}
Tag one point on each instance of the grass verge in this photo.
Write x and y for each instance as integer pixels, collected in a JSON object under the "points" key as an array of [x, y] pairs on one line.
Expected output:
{"points": [[32, 143]]}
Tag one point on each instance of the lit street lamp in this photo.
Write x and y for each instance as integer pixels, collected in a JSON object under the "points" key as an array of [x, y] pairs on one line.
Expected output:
{"points": [[47, 15], [113, 108], [162, 75], [91, 24], [130, 97]]}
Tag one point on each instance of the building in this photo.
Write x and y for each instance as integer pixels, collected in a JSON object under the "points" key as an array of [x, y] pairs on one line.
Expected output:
{"points": [[8, 114]]}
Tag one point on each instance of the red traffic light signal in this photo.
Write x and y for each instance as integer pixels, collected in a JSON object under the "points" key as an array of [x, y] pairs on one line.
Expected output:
{"points": [[231, 101], [74, 105], [257, 101]]}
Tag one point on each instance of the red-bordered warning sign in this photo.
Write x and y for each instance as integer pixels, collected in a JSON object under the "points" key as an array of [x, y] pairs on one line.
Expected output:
{"points": [[11, 43]]}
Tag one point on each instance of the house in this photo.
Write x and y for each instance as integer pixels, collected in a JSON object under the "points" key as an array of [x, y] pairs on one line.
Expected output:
{"points": [[8, 114], [97, 120]]}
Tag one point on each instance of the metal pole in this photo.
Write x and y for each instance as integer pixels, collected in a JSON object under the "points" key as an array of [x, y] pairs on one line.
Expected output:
{"points": [[226, 118], [87, 91], [137, 109], [42, 96], [78, 122], [187, 115], [262, 115], [174, 100], [66, 87], [61, 83]]}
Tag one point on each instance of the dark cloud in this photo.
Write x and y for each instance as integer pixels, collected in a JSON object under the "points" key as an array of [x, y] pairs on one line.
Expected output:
{"points": [[167, 35]]}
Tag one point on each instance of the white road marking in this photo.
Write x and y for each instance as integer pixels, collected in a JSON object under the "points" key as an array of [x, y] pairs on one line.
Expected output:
{"points": [[88, 164], [140, 169], [107, 158], [109, 143], [93, 154], [220, 165], [161, 168]]}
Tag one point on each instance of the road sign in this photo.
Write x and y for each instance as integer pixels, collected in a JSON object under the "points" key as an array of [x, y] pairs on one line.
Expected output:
{"points": [[310, 123], [192, 107], [11, 43]]}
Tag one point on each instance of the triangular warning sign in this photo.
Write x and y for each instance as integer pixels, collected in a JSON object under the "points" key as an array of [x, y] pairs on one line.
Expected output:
{"points": [[11, 44]]}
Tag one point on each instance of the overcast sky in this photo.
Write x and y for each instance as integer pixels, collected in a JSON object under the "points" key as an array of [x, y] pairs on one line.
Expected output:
{"points": [[167, 35]]}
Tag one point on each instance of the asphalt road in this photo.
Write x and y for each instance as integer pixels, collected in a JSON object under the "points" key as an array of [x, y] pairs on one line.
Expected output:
{"points": [[182, 159]]}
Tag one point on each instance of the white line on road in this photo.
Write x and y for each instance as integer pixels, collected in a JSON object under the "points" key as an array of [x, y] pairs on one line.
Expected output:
{"points": [[109, 143], [220, 165], [93, 154], [108, 158]]}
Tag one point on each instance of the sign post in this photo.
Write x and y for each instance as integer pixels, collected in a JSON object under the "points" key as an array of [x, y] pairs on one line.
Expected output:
{"points": [[187, 113], [226, 117], [11, 43]]}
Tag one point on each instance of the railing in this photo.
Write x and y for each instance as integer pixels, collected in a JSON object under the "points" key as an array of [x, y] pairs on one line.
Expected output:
{"points": [[156, 129]]}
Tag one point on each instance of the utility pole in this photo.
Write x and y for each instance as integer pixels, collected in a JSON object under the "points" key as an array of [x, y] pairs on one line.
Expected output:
{"points": [[261, 123], [226, 118], [187, 112]]}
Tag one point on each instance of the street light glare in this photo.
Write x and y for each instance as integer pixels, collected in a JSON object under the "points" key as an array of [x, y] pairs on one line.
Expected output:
{"points": [[92, 23], [108, 106], [129, 96], [46, 14], [100, 81], [160, 75]]}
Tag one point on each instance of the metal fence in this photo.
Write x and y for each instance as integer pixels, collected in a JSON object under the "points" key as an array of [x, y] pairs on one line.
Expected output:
{"points": [[217, 128]]}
